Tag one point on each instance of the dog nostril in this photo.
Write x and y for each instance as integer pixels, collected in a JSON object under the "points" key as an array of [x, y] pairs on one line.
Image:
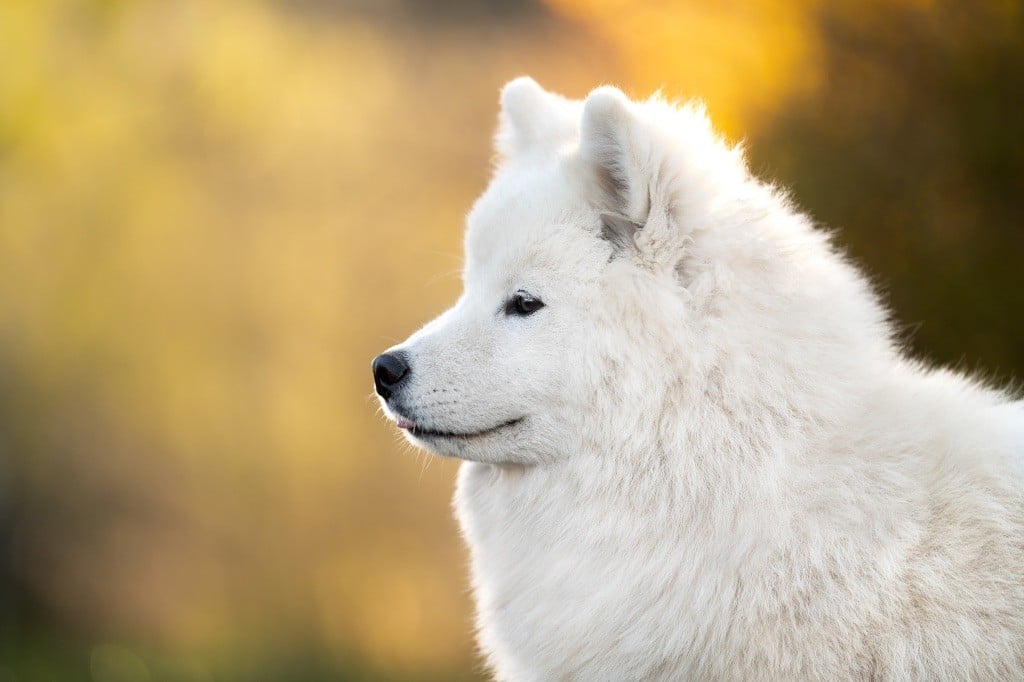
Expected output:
{"points": [[388, 371]]}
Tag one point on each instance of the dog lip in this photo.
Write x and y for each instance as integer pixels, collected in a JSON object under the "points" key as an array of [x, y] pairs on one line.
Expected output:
{"points": [[425, 433]]}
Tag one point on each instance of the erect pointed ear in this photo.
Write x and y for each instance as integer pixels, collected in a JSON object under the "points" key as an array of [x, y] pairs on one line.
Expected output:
{"points": [[628, 154], [533, 119], [611, 148]]}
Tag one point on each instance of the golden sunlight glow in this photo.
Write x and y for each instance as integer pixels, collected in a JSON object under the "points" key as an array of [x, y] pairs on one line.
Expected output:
{"points": [[742, 58], [214, 214]]}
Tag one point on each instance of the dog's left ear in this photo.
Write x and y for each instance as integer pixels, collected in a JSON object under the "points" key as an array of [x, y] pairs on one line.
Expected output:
{"points": [[630, 183], [609, 149]]}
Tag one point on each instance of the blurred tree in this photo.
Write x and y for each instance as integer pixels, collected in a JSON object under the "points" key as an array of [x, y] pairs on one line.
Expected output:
{"points": [[913, 145]]}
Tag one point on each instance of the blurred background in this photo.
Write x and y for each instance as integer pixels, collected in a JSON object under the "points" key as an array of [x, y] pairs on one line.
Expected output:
{"points": [[214, 214]]}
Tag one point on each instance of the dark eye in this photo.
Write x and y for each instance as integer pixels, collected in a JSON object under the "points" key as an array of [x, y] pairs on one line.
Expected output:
{"points": [[523, 304]]}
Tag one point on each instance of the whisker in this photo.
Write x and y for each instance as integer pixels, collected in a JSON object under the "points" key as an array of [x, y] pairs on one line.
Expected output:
{"points": [[443, 254], [443, 275], [423, 468]]}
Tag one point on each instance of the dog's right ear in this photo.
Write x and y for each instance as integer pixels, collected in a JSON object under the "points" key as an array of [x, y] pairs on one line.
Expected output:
{"points": [[533, 119]]}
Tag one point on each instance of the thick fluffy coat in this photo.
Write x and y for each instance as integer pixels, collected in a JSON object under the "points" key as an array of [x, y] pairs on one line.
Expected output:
{"points": [[693, 449]]}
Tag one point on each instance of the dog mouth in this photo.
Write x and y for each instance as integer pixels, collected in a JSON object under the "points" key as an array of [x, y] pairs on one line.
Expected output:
{"points": [[424, 433]]}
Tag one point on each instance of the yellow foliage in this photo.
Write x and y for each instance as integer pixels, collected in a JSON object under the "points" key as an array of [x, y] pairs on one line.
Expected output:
{"points": [[212, 216]]}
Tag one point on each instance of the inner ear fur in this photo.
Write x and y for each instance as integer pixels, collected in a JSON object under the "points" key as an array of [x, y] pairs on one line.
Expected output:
{"points": [[632, 157], [609, 147], [620, 232]]}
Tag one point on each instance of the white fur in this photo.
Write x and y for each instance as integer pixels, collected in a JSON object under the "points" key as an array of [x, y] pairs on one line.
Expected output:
{"points": [[725, 468]]}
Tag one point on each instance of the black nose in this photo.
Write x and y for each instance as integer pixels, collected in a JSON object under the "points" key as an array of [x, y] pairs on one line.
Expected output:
{"points": [[388, 371]]}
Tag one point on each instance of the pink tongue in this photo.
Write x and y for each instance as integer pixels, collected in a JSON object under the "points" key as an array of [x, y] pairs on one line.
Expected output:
{"points": [[404, 423]]}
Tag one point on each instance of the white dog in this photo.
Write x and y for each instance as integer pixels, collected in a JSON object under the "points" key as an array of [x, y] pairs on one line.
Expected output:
{"points": [[692, 448]]}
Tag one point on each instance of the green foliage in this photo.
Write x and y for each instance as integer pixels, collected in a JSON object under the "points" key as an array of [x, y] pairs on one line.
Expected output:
{"points": [[914, 148]]}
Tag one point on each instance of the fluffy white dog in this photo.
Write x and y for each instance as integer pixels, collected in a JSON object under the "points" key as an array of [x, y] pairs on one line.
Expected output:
{"points": [[692, 448]]}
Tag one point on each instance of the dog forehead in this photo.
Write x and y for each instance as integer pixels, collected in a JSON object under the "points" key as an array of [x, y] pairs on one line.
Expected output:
{"points": [[525, 194], [518, 258], [527, 223]]}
